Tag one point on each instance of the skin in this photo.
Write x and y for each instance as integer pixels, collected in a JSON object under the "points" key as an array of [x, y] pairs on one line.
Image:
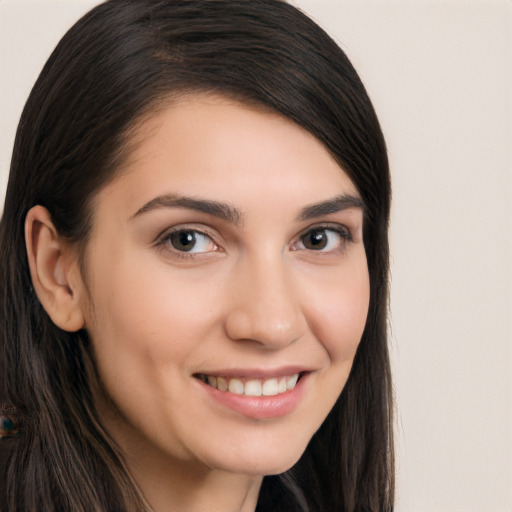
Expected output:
{"points": [[252, 296]]}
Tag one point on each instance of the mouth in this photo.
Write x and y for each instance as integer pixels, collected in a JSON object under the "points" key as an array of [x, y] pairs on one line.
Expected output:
{"points": [[251, 387]]}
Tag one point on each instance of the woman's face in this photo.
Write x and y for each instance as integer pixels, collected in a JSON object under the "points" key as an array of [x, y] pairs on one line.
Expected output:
{"points": [[227, 288]]}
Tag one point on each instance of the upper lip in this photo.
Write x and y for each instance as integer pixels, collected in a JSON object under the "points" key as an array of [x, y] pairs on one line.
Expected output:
{"points": [[256, 373]]}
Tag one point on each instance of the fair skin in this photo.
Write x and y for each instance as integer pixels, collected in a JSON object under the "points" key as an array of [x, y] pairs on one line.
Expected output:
{"points": [[229, 253]]}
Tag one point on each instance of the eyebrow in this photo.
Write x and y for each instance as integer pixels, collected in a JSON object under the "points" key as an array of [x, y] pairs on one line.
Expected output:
{"points": [[233, 215], [337, 204], [223, 211]]}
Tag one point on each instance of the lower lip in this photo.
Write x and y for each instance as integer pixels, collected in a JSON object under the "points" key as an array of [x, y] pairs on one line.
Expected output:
{"points": [[259, 407]]}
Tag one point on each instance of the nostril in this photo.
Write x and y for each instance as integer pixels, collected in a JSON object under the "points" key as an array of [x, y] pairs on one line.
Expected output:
{"points": [[265, 328], [266, 307]]}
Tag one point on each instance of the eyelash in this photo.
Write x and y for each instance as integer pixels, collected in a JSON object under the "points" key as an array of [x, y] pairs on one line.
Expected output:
{"points": [[165, 240]]}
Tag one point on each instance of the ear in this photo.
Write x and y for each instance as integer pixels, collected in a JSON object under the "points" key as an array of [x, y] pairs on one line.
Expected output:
{"points": [[54, 270]]}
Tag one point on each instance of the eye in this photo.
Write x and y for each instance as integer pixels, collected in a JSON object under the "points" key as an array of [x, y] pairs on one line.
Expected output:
{"points": [[190, 241], [324, 239]]}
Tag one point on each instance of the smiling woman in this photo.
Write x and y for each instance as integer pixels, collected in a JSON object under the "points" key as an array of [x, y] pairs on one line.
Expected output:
{"points": [[194, 269]]}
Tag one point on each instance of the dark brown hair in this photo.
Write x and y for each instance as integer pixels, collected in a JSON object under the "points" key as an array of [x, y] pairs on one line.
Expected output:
{"points": [[116, 65]]}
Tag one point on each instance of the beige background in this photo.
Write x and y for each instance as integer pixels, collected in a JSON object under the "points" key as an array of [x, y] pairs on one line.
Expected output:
{"points": [[440, 75]]}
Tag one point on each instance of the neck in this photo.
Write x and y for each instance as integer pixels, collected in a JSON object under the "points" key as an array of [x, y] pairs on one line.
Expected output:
{"points": [[190, 491]]}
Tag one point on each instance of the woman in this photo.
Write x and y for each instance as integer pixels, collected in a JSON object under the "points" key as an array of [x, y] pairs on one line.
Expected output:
{"points": [[194, 269]]}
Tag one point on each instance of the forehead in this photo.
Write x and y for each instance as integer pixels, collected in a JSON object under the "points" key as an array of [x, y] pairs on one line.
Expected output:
{"points": [[212, 146]]}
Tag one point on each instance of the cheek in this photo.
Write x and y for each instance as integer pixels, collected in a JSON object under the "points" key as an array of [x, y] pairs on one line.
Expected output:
{"points": [[338, 312], [154, 318], [145, 331]]}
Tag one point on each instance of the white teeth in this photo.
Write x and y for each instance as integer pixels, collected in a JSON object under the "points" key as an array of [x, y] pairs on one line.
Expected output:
{"points": [[292, 381], [270, 387], [236, 386], [253, 387]]}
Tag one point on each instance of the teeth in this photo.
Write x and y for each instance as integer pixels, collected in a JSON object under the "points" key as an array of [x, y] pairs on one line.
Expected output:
{"points": [[236, 386], [270, 387], [253, 387], [222, 384], [292, 381]]}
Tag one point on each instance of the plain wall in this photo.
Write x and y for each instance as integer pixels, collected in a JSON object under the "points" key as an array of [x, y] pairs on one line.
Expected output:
{"points": [[440, 76]]}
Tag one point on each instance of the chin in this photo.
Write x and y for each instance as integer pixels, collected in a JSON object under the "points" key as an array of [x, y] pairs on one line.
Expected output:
{"points": [[265, 462]]}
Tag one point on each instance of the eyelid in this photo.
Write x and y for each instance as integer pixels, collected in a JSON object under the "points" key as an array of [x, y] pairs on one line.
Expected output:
{"points": [[198, 228], [343, 229]]}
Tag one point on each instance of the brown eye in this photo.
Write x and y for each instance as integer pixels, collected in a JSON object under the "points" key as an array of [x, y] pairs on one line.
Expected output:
{"points": [[190, 241], [183, 240], [315, 240], [323, 239]]}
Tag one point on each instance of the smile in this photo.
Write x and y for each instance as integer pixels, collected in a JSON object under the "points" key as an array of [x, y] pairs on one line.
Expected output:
{"points": [[251, 387]]}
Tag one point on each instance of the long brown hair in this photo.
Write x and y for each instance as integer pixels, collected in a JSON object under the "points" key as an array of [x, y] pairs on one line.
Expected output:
{"points": [[117, 64]]}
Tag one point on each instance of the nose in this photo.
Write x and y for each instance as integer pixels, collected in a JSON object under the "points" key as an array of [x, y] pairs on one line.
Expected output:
{"points": [[265, 305]]}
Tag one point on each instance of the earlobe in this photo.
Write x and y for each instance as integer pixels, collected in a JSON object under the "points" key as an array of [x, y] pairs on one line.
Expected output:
{"points": [[54, 270]]}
